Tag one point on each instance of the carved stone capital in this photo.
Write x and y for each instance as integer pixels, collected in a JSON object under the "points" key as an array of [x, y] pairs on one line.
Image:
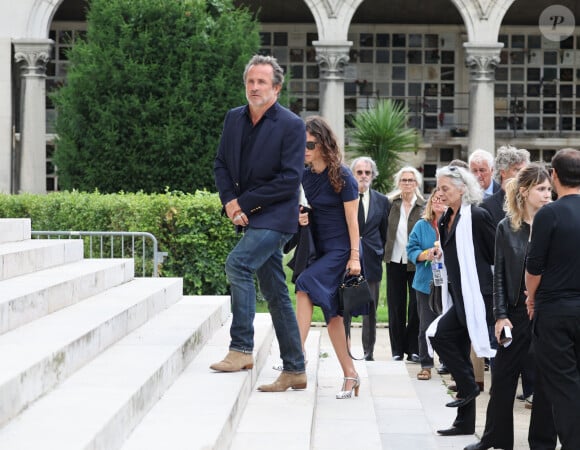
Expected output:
{"points": [[332, 57], [482, 61], [32, 55]]}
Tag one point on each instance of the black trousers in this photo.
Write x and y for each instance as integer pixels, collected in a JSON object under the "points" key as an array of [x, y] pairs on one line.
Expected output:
{"points": [[452, 344], [426, 316], [556, 339], [369, 322], [509, 362], [403, 317]]}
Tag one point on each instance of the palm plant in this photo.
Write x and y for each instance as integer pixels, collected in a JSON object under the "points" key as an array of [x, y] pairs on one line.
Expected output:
{"points": [[382, 134]]}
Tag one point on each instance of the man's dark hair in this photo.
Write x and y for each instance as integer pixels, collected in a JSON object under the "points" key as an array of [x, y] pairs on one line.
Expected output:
{"points": [[566, 163]]}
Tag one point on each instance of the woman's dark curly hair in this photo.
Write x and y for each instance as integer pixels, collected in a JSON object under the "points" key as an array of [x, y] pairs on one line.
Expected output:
{"points": [[328, 145]]}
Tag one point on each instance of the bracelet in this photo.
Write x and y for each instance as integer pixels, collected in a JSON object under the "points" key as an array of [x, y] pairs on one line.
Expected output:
{"points": [[354, 249], [352, 259]]}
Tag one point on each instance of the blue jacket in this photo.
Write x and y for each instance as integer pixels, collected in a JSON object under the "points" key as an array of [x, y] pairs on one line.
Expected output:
{"points": [[422, 237], [268, 192]]}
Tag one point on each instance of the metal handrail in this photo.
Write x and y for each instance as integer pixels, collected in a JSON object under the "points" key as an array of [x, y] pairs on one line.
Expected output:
{"points": [[158, 256]]}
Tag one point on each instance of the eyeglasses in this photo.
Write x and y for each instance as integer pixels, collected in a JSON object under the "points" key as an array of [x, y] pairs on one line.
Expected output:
{"points": [[436, 200], [311, 145], [366, 172], [407, 180]]}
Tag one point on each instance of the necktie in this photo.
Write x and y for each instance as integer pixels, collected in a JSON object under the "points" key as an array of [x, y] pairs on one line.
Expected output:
{"points": [[361, 215]]}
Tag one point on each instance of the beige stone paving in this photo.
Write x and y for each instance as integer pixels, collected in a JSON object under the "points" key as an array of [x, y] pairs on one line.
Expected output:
{"points": [[521, 414]]}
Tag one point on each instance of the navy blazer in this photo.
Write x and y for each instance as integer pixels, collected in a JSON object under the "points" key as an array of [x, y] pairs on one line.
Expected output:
{"points": [[374, 235], [268, 192], [494, 205]]}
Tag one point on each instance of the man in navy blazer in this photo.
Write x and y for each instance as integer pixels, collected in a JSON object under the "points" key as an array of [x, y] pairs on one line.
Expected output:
{"points": [[373, 221], [258, 170], [481, 165]]}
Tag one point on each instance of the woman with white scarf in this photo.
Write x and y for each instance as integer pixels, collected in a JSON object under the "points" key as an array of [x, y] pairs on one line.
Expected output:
{"points": [[467, 243]]}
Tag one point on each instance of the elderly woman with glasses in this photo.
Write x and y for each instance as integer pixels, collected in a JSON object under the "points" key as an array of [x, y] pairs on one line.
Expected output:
{"points": [[407, 205], [467, 247]]}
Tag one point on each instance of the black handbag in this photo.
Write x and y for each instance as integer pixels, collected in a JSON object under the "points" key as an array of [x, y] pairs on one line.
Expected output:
{"points": [[354, 298], [435, 298]]}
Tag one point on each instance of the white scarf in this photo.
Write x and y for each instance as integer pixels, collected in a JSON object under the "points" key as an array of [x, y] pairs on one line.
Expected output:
{"points": [[472, 299]]}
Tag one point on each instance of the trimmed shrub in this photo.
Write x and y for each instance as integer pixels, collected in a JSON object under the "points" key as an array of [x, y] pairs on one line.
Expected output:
{"points": [[190, 228], [147, 91]]}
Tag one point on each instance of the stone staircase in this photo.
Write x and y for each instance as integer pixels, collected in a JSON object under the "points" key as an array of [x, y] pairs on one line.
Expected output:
{"points": [[94, 358], [87, 349]]}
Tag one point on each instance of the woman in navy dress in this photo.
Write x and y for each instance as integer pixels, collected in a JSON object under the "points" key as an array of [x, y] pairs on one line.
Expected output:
{"points": [[332, 192]]}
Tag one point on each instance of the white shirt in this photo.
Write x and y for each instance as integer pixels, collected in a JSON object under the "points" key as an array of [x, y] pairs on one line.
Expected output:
{"points": [[400, 245], [366, 196]]}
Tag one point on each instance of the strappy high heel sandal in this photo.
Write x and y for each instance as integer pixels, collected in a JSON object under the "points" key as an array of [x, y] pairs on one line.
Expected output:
{"points": [[354, 388]]}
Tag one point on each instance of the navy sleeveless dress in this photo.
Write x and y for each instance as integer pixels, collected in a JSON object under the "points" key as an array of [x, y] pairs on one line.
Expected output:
{"points": [[321, 279]]}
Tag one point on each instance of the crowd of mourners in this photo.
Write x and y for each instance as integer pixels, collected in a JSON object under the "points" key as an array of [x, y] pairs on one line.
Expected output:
{"points": [[485, 270]]}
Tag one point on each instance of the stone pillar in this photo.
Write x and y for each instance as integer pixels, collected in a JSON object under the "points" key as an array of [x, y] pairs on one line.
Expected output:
{"points": [[482, 61], [32, 56], [6, 122], [332, 56]]}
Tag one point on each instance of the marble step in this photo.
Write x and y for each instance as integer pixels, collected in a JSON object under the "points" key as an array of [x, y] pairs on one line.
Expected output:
{"points": [[39, 355], [28, 256], [281, 420], [202, 408], [14, 230], [31, 296], [99, 405]]}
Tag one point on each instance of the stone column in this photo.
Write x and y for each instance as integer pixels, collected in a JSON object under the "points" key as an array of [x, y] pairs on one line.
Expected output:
{"points": [[32, 56], [482, 61], [332, 56]]}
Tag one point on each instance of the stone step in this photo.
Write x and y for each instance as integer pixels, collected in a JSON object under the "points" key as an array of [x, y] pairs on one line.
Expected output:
{"points": [[31, 296], [14, 230], [281, 420], [39, 355], [345, 423], [99, 405], [28, 256], [202, 408]]}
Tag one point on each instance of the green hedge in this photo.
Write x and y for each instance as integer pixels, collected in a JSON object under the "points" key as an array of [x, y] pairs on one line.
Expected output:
{"points": [[190, 228]]}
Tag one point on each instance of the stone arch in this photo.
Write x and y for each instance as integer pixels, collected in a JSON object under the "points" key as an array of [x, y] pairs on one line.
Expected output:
{"points": [[482, 18], [339, 13], [40, 18]]}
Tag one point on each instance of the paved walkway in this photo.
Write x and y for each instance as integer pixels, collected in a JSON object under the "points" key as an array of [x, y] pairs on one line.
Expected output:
{"points": [[429, 395]]}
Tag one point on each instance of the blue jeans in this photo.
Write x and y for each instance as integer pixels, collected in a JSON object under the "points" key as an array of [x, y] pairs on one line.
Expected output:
{"points": [[259, 251]]}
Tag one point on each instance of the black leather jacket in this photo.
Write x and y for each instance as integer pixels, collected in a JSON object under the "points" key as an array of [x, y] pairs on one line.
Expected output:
{"points": [[510, 258]]}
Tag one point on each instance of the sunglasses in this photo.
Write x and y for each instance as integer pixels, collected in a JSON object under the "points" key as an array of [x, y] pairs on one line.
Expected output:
{"points": [[311, 145], [407, 180], [366, 172]]}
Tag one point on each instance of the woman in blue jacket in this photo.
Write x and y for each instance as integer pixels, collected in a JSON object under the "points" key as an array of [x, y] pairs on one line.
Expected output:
{"points": [[422, 240]]}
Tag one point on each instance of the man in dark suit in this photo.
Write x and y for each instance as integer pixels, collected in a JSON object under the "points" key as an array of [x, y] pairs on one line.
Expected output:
{"points": [[508, 162], [258, 170], [373, 215], [481, 165]]}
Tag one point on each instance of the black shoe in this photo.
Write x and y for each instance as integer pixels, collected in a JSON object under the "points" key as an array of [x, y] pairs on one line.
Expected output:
{"points": [[463, 401], [414, 358], [397, 358], [476, 446], [442, 370], [454, 431], [369, 358]]}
